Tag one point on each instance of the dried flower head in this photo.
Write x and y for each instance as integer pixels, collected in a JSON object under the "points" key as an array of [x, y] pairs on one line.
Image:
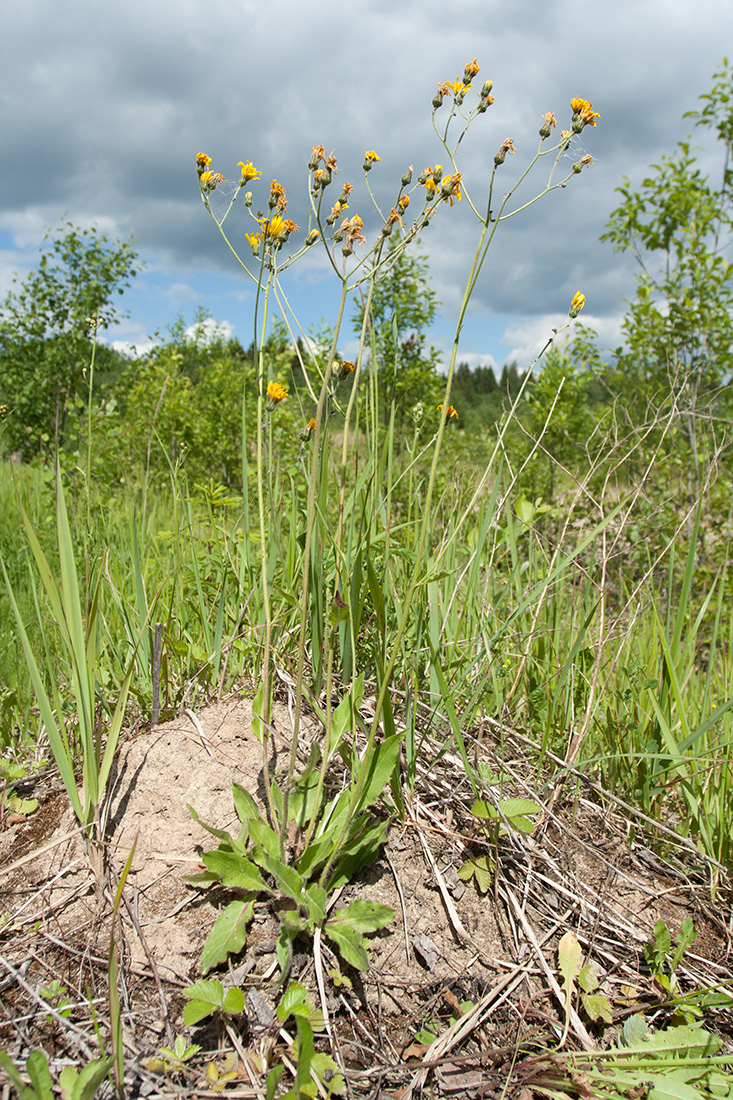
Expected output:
{"points": [[506, 147], [316, 157], [582, 163], [548, 122]]}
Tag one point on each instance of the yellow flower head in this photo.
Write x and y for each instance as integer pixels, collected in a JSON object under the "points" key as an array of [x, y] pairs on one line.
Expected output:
{"points": [[278, 197], [308, 430], [249, 172], [209, 181], [577, 304], [451, 188], [403, 202], [449, 412], [370, 155], [202, 162], [275, 394], [254, 240], [583, 112], [274, 226], [471, 70]]}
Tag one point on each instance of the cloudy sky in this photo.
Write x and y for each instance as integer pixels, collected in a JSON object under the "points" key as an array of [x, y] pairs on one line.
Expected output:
{"points": [[105, 105]]}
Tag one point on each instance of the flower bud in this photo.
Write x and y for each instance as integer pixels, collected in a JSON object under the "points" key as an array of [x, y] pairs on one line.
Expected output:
{"points": [[248, 196], [407, 178], [438, 173], [486, 89], [437, 101], [576, 305], [312, 237]]}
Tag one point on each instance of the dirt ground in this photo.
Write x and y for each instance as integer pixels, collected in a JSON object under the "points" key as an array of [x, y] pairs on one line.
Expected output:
{"points": [[448, 945]]}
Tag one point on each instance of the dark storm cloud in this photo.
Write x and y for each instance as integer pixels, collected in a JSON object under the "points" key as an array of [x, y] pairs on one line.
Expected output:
{"points": [[105, 107]]}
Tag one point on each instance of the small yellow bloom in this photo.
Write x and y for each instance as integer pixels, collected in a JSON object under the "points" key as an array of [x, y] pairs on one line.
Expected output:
{"points": [[274, 226], [202, 162], [249, 172], [371, 155], [583, 112], [278, 197], [449, 412], [209, 181], [451, 188], [403, 202], [275, 394], [471, 70], [254, 240], [306, 432], [576, 305]]}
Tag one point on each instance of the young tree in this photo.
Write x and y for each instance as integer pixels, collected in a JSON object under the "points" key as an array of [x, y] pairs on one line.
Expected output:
{"points": [[679, 327], [48, 327], [403, 307]]}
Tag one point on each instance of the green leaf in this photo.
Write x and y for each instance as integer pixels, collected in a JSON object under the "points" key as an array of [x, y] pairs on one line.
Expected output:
{"points": [[286, 878], [598, 1006], [363, 916], [258, 728], [37, 1068], [587, 978], [379, 771], [635, 1031], [90, 1078], [297, 1001], [349, 943], [236, 871], [245, 805], [228, 935], [233, 1003], [205, 997], [261, 834]]}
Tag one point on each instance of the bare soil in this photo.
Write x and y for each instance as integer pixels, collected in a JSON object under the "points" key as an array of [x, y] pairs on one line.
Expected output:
{"points": [[448, 946]]}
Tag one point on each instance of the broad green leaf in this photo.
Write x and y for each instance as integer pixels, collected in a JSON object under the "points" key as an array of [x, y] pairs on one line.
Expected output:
{"points": [[261, 833], [90, 1078], [635, 1031], [316, 899], [233, 1003], [236, 871], [598, 1006], [245, 805], [286, 878], [379, 771], [204, 998], [37, 1068], [228, 935], [363, 916], [349, 943]]}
